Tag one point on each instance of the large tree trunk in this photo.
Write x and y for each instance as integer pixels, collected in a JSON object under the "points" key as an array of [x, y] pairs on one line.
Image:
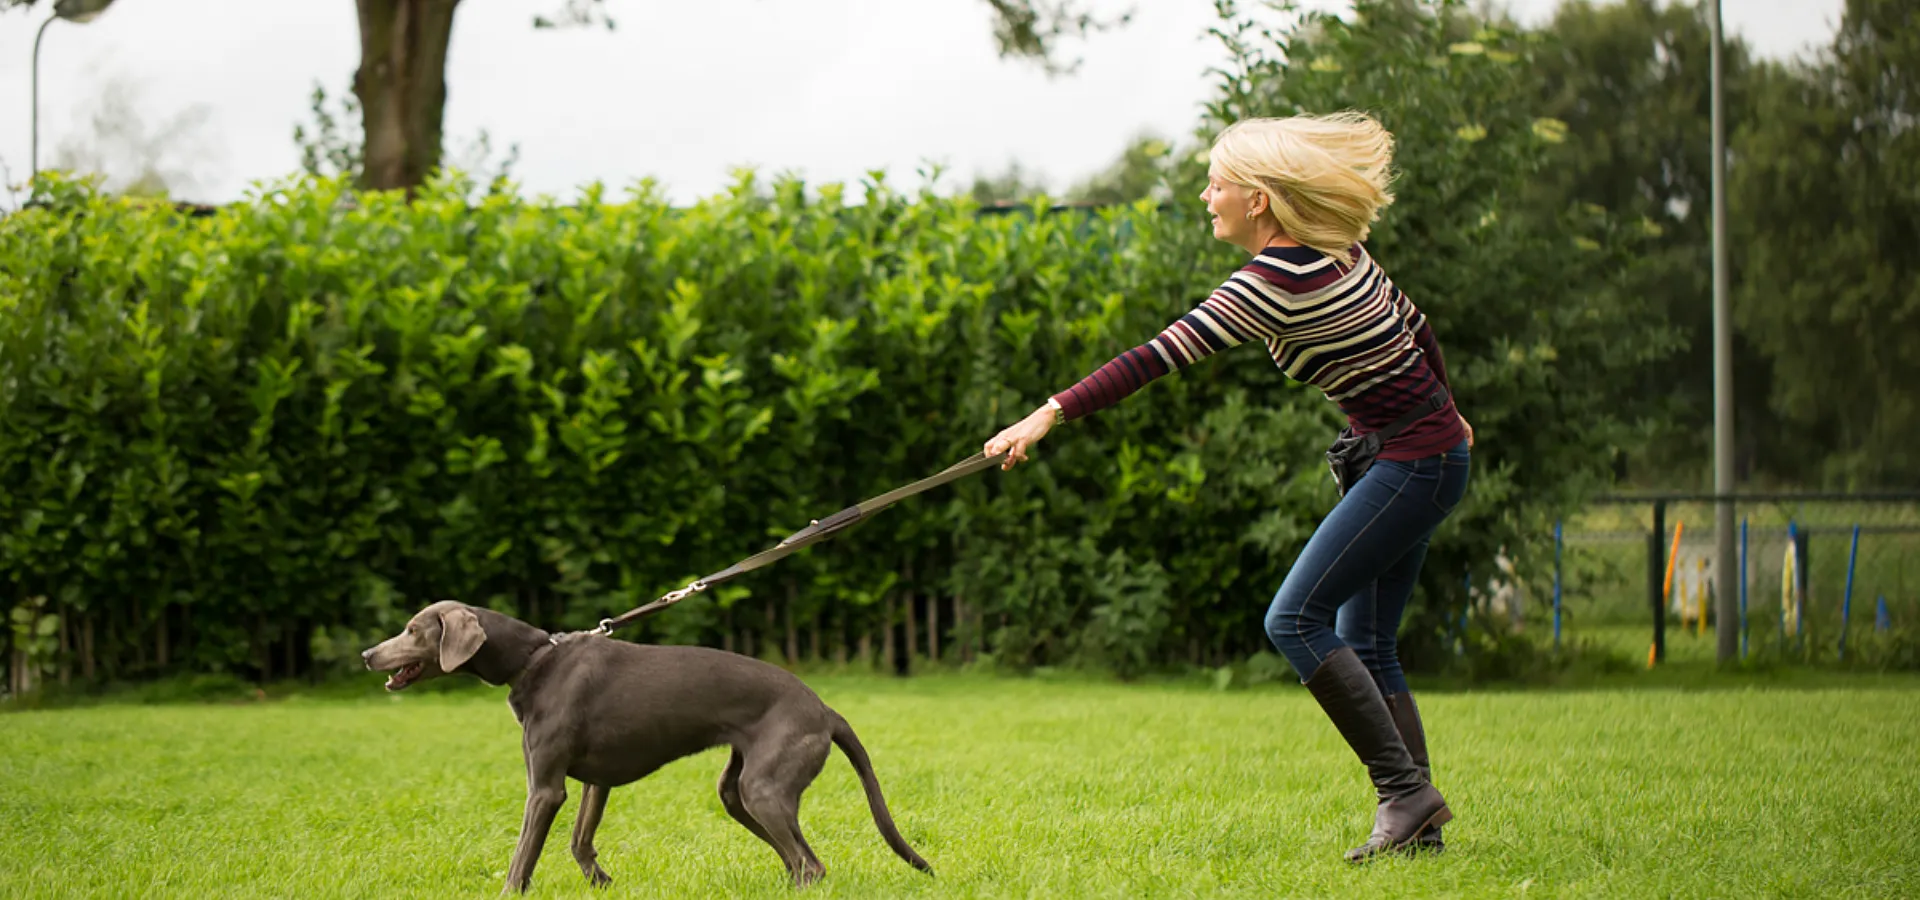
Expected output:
{"points": [[262, 648], [793, 632], [66, 645], [906, 600], [160, 646], [912, 634], [184, 646], [839, 640], [402, 88], [771, 640], [933, 629], [135, 625], [962, 630], [87, 668], [886, 632]]}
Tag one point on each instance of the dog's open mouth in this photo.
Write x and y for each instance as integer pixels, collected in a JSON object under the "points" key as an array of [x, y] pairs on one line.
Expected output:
{"points": [[405, 676]]}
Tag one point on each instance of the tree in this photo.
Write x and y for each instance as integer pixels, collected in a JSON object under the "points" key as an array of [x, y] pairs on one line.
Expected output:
{"points": [[1631, 80], [330, 145], [137, 155], [1827, 218], [401, 83], [1012, 185], [330, 148], [1142, 172]]}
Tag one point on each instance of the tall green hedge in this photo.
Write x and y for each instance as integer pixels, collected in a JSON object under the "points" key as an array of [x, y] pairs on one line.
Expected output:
{"points": [[252, 440]]}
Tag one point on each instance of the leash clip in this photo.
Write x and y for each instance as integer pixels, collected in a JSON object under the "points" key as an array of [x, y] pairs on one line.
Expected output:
{"points": [[695, 587]]}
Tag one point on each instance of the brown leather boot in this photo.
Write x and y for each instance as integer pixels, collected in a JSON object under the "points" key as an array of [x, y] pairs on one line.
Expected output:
{"points": [[1406, 718], [1408, 804]]}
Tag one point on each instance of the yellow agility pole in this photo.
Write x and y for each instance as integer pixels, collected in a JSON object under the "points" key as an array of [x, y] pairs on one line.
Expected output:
{"points": [[1700, 591], [1666, 590], [1789, 613]]}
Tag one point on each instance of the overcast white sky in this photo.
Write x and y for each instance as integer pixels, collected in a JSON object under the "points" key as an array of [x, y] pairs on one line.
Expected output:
{"points": [[681, 91]]}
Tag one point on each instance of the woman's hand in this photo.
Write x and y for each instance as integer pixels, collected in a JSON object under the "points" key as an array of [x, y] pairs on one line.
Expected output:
{"points": [[1469, 428], [1018, 437]]}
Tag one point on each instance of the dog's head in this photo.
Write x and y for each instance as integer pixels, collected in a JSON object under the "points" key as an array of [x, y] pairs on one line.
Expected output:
{"points": [[438, 640]]}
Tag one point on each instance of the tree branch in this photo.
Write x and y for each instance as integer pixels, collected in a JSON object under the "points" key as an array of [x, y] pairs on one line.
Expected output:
{"points": [[1034, 29]]}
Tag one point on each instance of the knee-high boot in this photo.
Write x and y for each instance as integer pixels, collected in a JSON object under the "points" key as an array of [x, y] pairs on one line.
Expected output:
{"points": [[1407, 803]]}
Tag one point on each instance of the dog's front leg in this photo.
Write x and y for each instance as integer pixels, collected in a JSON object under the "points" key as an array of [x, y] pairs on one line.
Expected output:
{"points": [[546, 792]]}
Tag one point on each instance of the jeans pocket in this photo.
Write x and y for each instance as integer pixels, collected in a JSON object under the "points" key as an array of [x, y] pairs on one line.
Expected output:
{"points": [[1450, 484]]}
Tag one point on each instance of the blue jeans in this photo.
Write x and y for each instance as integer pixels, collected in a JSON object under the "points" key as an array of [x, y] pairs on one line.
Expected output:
{"points": [[1361, 565]]}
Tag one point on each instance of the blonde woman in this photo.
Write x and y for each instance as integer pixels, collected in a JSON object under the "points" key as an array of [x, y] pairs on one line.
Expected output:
{"points": [[1299, 195]]}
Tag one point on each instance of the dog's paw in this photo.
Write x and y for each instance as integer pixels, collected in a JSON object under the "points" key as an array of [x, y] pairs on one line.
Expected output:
{"points": [[809, 875]]}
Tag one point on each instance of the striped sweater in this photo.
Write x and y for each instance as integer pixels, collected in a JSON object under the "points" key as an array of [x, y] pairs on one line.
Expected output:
{"points": [[1346, 330]]}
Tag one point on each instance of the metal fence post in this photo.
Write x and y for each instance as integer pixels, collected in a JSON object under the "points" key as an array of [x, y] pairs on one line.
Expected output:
{"points": [[1656, 553]]}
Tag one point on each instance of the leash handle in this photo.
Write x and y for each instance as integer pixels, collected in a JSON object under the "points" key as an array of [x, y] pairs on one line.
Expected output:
{"points": [[816, 531]]}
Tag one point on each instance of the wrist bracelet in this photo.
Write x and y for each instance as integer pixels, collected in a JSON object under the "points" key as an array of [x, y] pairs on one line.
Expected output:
{"points": [[1059, 413]]}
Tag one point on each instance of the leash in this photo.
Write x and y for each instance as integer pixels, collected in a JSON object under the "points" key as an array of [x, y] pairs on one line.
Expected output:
{"points": [[816, 531]]}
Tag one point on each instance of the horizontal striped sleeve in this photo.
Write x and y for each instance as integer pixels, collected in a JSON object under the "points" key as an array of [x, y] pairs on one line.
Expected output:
{"points": [[1422, 333], [1430, 348], [1226, 319], [1409, 313], [1229, 318], [1112, 383]]}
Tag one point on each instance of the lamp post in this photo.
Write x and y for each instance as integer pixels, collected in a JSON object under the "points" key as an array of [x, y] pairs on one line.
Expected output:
{"points": [[1725, 559], [79, 12]]}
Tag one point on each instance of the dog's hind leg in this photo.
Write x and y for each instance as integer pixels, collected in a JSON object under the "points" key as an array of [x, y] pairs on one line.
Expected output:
{"points": [[730, 798], [593, 804], [776, 769]]}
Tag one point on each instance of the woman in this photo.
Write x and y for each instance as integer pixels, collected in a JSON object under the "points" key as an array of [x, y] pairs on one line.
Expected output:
{"points": [[1299, 194]]}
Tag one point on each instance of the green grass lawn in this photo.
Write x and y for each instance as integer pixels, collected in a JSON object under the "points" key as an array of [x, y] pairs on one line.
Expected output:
{"points": [[1011, 788]]}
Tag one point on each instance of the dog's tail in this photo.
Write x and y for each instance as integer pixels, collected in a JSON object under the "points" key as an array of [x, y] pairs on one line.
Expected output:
{"points": [[850, 745]]}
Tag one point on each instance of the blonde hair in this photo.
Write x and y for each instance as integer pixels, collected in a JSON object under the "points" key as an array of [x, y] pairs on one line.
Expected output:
{"points": [[1326, 177]]}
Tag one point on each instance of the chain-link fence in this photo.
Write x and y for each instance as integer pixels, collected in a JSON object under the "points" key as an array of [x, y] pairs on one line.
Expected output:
{"points": [[1823, 576]]}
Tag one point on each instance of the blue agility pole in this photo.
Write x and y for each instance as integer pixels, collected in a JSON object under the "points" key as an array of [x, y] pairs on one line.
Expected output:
{"points": [[1557, 575], [1743, 588], [1846, 604], [1881, 621]]}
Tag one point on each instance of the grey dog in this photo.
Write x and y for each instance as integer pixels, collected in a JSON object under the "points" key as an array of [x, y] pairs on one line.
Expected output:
{"points": [[608, 713]]}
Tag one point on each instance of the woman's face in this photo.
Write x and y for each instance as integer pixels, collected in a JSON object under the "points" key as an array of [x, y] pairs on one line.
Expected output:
{"points": [[1235, 210]]}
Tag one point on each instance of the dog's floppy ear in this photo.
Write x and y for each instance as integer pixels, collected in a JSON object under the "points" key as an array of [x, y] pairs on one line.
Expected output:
{"points": [[460, 638]]}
